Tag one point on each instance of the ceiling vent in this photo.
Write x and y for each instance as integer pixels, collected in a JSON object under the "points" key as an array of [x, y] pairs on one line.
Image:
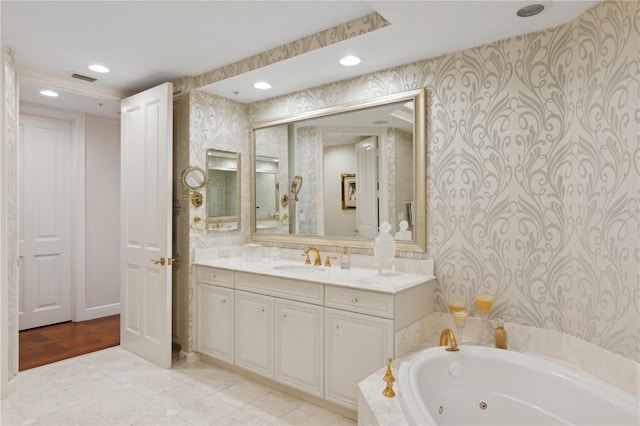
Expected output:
{"points": [[83, 77]]}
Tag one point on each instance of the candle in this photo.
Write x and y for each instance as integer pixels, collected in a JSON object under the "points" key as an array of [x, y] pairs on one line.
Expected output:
{"points": [[456, 307], [460, 318], [483, 303]]}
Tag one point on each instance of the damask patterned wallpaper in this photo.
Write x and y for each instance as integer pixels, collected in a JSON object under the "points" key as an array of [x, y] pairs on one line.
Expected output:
{"points": [[533, 174], [9, 212]]}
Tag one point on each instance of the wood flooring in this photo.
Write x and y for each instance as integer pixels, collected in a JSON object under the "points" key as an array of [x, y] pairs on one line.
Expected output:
{"points": [[51, 343]]}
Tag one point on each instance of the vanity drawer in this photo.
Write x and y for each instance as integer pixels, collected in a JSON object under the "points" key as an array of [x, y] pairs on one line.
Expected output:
{"points": [[362, 301], [285, 288], [221, 277]]}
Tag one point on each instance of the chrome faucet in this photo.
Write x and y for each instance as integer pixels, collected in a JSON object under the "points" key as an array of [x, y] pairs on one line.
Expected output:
{"points": [[316, 253], [448, 338]]}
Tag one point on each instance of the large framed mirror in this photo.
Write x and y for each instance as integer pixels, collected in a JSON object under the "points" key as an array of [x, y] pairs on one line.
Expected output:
{"points": [[340, 172], [223, 190]]}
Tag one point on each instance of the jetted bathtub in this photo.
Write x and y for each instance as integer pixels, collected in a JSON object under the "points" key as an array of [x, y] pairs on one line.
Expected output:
{"points": [[486, 386]]}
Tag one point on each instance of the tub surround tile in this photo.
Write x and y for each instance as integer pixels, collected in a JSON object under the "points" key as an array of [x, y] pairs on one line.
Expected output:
{"points": [[373, 407], [608, 366]]}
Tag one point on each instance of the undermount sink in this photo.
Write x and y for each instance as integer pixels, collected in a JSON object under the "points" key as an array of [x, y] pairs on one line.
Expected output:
{"points": [[302, 268]]}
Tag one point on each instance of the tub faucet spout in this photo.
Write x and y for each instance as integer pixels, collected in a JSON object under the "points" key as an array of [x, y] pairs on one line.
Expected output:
{"points": [[448, 338]]}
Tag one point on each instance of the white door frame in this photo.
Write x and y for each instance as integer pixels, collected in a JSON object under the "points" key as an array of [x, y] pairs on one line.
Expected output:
{"points": [[9, 334], [77, 121], [68, 84]]}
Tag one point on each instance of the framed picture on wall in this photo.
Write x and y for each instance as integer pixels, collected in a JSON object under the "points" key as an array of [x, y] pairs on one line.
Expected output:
{"points": [[348, 190]]}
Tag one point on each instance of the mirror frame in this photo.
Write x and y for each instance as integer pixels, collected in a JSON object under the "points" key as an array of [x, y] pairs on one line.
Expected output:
{"points": [[419, 243], [188, 171]]}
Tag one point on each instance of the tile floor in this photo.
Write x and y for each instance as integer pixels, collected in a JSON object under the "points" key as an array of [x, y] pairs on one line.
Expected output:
{"points": [[115, 387]]}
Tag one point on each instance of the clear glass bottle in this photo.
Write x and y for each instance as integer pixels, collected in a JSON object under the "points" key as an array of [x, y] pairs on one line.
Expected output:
{"points": [[345, 259]]}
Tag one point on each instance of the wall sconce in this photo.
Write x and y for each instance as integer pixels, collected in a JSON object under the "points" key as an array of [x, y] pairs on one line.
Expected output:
{"points": [[193, 179]]}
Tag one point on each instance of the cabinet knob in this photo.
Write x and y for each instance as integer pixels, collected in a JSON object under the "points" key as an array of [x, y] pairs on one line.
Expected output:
{"points": [[284, 315], [355, 301], [224, 301], [213, 276]]}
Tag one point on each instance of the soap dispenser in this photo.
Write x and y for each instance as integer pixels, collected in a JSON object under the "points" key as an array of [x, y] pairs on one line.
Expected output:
{"points": [[345, 259], [500, 335]]}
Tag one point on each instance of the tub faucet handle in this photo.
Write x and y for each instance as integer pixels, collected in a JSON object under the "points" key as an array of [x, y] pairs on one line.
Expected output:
{"points": [[389, 379], [388, 376]]}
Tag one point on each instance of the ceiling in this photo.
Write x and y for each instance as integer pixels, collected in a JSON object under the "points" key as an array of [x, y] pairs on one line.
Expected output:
{"points": [[146, 43]]}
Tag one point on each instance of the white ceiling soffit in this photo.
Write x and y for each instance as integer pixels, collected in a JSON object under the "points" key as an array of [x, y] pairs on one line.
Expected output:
{"points": [[146, 43], [418, 30], [149, 42]]}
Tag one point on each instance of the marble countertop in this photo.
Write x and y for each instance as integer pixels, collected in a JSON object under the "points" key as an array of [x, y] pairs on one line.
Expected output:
{"points": [[355, 277]]}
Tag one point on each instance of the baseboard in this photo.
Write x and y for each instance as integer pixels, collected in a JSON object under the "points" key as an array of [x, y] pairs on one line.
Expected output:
{"points": [[320, 402], [101, 311], [189, 356]]}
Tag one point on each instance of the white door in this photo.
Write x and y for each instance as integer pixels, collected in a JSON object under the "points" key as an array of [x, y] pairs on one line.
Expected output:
{"points": [[146, 203], [367, 188], [45, 203]]}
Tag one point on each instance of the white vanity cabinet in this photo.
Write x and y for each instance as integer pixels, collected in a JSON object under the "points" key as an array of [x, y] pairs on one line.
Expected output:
{"points": [[299, 346], [254, 335], [215, 310], [359, 327], [318, 337], [279, 330]]}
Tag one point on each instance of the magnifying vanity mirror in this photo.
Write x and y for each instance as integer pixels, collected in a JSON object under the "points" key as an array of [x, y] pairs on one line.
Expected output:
{"points": [[223, 191], [193, 179], [362, 164]]}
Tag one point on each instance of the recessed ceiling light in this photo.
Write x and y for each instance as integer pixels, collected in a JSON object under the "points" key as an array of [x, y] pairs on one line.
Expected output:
{"points": [[49, 93], [98, 68], [262, 85], [349, 61], [530, 10]]}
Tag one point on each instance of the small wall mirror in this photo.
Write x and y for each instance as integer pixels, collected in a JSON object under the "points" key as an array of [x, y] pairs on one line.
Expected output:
{"points": [[223, 191], [193, 179]]}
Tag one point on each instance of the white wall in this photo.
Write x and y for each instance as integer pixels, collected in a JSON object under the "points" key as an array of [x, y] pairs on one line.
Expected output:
{"points": [[337, 160], [102, 284]]}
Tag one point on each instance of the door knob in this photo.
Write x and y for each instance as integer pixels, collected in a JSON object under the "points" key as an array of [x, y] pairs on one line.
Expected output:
{"points": [[162, 261]]}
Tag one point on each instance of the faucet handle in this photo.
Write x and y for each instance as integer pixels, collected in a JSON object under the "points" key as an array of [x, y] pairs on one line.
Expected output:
{"points": [[328, 261], [306, 260], [389, 379]]}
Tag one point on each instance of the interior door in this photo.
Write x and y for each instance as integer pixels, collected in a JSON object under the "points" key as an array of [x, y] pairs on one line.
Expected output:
{"points": [[45, 204], [367, 188], [146, 203]]}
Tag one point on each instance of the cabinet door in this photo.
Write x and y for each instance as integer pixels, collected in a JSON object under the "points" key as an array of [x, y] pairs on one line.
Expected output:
{"points": [[254, 333], [215, 322], [356, 345], [299, 346]]}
